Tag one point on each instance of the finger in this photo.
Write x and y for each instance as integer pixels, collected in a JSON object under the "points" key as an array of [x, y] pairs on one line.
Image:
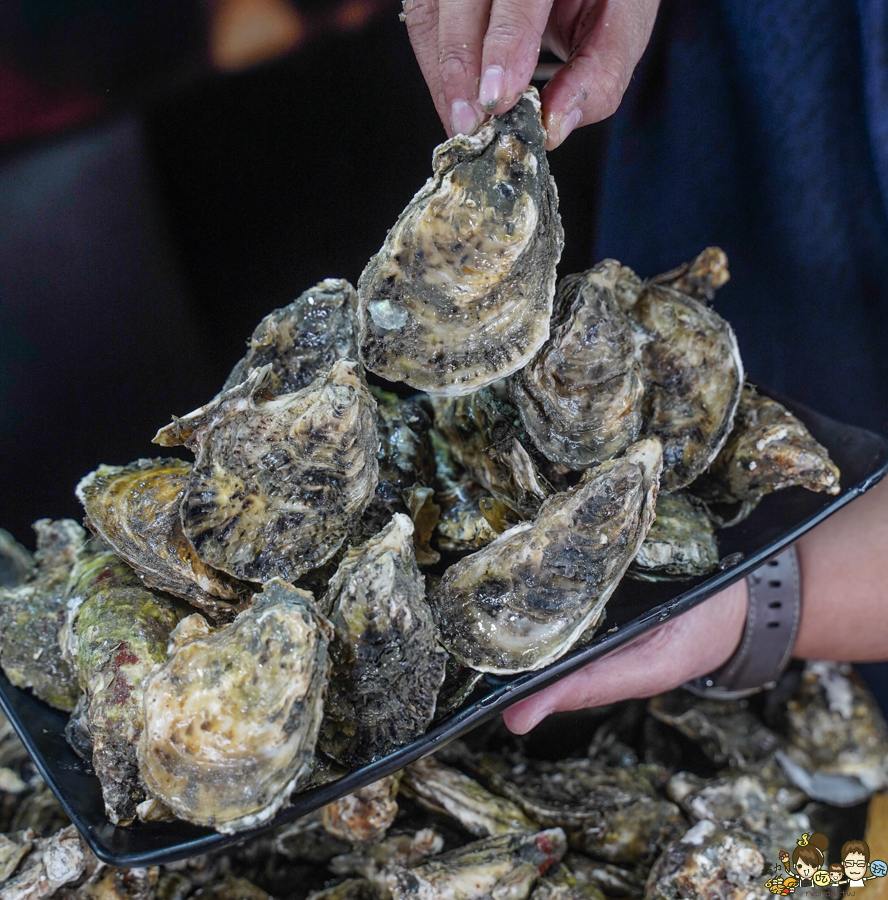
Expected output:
{"points": [[605, 49], [683, 648], [421, 18], [461, 27], [511, 51]]}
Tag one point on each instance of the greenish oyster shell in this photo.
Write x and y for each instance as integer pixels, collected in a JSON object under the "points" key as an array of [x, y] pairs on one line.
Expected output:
{"points": [[116, 632], [33, 613], [479, 433], [693, 375], [135, 510], [232, 717], [701, 277], [768, 449], [525, 599], [580, 398], [303, 339], [506, 865], [387, 667], [278, 483], [680, 544], [461, 292]]}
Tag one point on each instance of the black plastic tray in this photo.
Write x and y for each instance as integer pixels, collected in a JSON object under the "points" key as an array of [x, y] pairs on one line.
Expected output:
{"points": [[634, 608]]}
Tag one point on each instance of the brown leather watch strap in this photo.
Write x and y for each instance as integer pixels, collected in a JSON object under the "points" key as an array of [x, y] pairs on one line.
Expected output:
{"points": [[772, 625]]}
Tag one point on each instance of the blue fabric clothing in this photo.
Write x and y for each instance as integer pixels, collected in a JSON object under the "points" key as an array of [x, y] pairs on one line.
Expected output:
{"points": [[763, 127]]}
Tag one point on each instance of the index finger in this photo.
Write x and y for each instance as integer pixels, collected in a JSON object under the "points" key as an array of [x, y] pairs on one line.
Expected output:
{"points": [[461, 28]]}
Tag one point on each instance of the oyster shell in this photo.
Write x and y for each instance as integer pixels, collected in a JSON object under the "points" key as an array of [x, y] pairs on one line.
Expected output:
{"points": [[693, 375], [701, 277], [135, 510], [231, 719], [278, 483], [116, 632], [15, 560], [767, 450], [479, 432], [387, 668], [33, 613], [524, 600], [364, 816], [680, 544], [461, 292], [303, 339], [506, 865], [580, 397]]}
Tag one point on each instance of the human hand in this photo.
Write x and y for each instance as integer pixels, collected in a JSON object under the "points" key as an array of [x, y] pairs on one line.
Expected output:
{"points": [[478, 56], [685, 647]]}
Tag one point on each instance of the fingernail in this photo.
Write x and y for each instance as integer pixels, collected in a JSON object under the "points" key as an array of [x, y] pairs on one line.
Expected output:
{"points": [[463, 119], [570, 123], [493, 85]]}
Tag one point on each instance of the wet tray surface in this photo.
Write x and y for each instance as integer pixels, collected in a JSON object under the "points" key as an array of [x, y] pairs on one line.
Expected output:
{"points": [[635, 607]]}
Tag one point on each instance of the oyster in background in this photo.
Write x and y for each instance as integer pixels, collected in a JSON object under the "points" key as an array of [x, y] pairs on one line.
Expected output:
{"points": [[693, 375], [303, 339], [387, 667], [278, 483], [580, 397], [232, 718], [364, 816], [701, 277], [33, 613], [15, 560], [525, 599], [116, 632], [461, 292], [680, 544], [836, 736], [767, 450], [479, 434], [507, 865], [135, 510]]}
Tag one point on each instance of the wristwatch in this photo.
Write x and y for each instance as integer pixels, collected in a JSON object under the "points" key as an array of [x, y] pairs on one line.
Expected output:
{"points": [[772, 625]]}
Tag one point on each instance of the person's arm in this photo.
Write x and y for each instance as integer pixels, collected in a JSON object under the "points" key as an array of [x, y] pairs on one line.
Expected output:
{"points": [[844, 617], [478, 56]]}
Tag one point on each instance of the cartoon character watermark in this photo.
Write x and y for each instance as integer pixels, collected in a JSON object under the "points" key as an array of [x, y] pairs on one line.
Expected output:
{"points": [[807, 867]]}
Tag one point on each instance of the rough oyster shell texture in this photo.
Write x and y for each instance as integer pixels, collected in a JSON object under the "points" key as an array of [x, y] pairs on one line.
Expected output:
{"points": [[580, 398], [387, 668], [231, 719], [278, 483], [302, 339], [525, 599], [461, 292], [135, 510]]}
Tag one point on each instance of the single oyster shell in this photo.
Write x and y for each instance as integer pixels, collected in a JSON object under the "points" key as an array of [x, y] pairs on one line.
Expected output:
{"points": [[231, 719], [461, 292], [116, 632], [701, 277], [364, 816], [33, 613], [135, 509], [768, 449], [580, 397], [524, 600], [693, 375], [461, 525], [506, 865], [387, 668], [400, 851], [278, 483], [479, 433], [303, 339], [680, 544]]}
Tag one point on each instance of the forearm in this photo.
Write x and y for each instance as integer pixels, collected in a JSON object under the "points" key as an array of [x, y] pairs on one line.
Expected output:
{"points": [[845, 583]]}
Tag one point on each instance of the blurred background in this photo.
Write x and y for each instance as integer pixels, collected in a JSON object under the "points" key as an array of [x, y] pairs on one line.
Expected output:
{"points": [[170, 172]]}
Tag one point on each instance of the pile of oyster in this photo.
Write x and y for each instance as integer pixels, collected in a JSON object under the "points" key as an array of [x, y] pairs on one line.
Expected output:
{"points": [[257, 620], [675, 797]]}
